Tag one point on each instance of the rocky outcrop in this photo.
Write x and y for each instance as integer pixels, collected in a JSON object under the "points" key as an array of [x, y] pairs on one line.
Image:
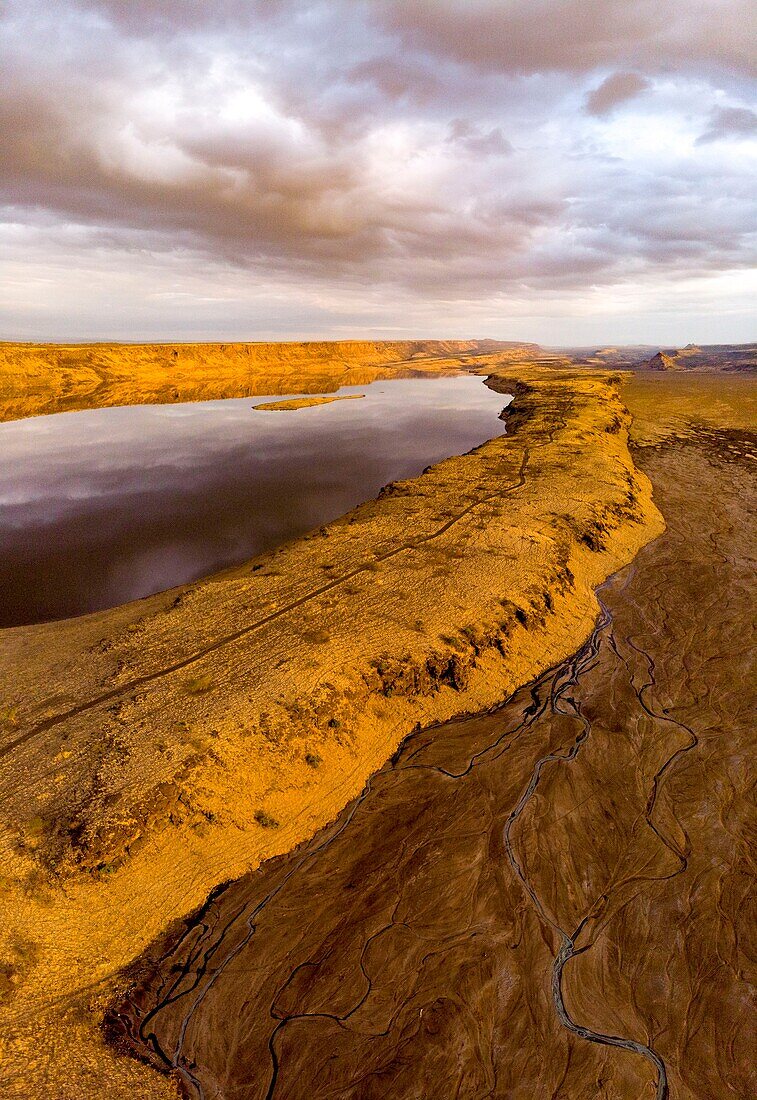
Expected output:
{"points": [[151, 752], [662, 361], [47, 378]]}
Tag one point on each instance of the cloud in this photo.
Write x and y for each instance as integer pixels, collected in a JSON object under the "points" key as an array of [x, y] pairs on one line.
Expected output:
{"points": [[367, 160], [577, 35], [615, 89], [472, 138], [729, 122]]}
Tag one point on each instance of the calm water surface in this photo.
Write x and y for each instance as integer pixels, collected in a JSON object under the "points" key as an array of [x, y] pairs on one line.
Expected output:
{"points": [[109, 505]]}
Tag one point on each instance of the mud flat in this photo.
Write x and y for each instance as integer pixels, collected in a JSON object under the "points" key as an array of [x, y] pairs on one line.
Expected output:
{"points": [[548, 900], [152, 752]]}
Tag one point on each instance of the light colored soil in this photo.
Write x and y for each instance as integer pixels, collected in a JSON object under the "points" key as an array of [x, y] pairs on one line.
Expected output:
{"points": [[602, 816], [303, 403], [153, 751]]}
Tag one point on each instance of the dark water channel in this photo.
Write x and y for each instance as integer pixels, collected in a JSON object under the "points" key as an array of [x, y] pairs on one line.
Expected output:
{"points": [[109, 505]]}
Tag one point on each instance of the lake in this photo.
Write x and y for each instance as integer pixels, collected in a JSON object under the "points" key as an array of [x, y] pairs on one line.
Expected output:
{"points": [[109, 505]]}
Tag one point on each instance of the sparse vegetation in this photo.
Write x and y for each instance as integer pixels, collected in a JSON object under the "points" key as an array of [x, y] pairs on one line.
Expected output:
{"points": [[7, 983], [199, 685], [313, 760], [265, 820], [35, 830], [199, 742]]}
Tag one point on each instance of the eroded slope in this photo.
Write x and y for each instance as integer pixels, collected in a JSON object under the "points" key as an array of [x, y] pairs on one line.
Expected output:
{"points": [[553, 900], [151, 752]]}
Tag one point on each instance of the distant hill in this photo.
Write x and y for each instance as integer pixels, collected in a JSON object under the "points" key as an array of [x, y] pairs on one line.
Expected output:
{"points": [[708, 357], [661, 361], [692, 357]]}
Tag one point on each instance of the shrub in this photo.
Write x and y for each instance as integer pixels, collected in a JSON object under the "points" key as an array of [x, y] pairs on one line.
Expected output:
{"points": [[35, 830], [198, 685], [265, 820], [7, 980]]}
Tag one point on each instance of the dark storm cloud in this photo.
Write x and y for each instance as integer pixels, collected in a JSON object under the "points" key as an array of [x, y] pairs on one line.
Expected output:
{"points": [[452, 151]]}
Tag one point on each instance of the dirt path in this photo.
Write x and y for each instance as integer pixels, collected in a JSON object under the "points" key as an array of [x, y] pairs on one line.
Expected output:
{"points": [[572, 866]]}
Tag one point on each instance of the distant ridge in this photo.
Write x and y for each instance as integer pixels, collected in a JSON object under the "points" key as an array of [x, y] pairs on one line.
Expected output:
{"points": [[47, 378]]}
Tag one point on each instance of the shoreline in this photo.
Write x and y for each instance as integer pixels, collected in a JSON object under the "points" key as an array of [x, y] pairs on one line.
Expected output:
{"points": [[156, 816], [52, 378], [618, 901]]}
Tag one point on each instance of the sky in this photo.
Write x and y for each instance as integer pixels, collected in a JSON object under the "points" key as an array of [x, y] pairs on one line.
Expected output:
{"points": [[572, 172]]}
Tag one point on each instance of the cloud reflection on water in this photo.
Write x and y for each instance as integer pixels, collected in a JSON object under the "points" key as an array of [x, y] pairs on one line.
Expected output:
{"points": [[109, 505]]}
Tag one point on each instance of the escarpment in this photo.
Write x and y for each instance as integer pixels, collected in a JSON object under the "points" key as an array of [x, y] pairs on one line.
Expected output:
{"points": [[547, 899], [49, 378], [172, 744]]}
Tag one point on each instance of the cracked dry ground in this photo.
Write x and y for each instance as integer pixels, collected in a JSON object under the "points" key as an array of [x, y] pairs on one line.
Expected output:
{"points": [[551, 900]]}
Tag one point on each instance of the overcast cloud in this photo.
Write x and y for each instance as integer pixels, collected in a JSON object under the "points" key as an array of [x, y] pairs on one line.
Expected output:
{"points": [[569, 171]]}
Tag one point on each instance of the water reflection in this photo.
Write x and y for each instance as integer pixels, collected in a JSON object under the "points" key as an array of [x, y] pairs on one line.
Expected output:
{"points": [[108, 505]]}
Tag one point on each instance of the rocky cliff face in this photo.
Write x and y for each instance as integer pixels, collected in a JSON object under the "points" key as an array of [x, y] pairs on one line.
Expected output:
{"points": [[47, 378], [151, 752]]}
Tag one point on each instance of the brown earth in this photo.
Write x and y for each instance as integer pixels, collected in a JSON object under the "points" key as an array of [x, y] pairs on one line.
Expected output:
{"points": [[552, 900], [150, 752], [660, 361]]}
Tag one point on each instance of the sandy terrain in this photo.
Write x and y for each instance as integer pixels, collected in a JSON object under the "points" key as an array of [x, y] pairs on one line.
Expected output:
{"points": [[551, 900], [152, 752], [303, 403]]}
